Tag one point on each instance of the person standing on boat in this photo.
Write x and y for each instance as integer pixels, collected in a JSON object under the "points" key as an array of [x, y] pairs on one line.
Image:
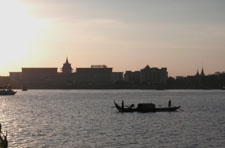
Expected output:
{"points": [[122, 104], [169, 103]]}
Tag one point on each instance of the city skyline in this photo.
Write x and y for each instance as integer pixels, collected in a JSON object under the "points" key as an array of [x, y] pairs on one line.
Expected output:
{"points": [[127, 35], [72, 69]]}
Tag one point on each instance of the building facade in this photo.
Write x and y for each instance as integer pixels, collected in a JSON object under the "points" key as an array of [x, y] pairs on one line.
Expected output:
{"points": [[37, 78], [4, 81], [96, 75], [154, 76], [132, 77], [116, 76]]}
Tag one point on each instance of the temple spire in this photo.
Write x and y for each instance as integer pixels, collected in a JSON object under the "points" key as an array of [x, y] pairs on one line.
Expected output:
{"points": [[67, 62], [197, 74], [67, 67], [202, 73]]}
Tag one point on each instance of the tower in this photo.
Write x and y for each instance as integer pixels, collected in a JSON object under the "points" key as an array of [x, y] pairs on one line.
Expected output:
{"points": [[197, 74], [67, 69], [202, 73]]}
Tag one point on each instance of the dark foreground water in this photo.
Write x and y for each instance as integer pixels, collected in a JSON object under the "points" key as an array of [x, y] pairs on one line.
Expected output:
{"points": [[87, 119]]}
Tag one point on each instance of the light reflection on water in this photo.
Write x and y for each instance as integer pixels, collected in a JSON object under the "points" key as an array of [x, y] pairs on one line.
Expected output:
{"points": [[87, 119]]}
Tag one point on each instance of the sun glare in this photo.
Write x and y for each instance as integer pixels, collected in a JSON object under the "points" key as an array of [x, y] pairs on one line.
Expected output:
{"points": [[18, 31]]}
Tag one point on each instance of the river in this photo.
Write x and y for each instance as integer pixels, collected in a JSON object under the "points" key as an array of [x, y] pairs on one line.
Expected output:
{"points": [[88, 119]]}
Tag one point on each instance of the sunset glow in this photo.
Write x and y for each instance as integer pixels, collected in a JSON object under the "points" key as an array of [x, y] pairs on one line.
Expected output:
{"points": [[19, 32], [180, 35]]}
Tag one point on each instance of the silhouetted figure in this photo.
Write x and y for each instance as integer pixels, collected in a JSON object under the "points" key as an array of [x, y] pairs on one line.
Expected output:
{"points": [[169, 103], [122, 104]]}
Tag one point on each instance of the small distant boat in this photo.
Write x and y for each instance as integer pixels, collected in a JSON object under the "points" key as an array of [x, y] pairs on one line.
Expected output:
{"points": [[6, 91], [145, 107]]}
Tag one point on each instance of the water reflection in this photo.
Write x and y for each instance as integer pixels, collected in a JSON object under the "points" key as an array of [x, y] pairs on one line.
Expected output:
{"points": [[86, 118]]}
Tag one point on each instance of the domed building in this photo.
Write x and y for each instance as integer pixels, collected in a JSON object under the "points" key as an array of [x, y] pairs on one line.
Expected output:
{"points": [[67, 69]]}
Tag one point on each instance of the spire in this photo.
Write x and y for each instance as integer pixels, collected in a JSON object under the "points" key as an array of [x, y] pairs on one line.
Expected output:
{"points": [[67, 62], [197, 74], [202, 73]]}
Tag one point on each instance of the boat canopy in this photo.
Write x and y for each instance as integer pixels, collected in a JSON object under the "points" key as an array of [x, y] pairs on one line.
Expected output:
{"points": [[146, 106]]}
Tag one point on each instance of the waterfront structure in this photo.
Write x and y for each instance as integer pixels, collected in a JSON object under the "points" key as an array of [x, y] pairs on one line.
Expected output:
{"points": [[15, 79], [96, 75], [4, 81], [133, 77], [147, 77], [67, 69], [39, 77], [180, 77], [116, 76], [154, 77]]}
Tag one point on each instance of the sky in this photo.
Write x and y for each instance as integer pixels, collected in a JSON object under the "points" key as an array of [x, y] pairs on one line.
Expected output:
{"points": [[124, 34]]}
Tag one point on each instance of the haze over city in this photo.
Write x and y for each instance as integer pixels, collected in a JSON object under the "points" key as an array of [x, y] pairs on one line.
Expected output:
{"points": [[126, 35]]}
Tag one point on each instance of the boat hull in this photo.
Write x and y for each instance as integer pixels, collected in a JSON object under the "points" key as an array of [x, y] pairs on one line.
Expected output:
{"points": [[120, 109], [162, 109]]}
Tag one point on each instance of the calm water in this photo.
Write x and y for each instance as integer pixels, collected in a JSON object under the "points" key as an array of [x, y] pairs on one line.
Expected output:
{"points": [[87, 119]]}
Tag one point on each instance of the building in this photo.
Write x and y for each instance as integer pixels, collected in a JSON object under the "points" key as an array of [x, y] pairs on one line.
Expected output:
{"points": [[67, 69], [35, 78], [133, 77], [95, 76], [154, 77], [4, 81], [15, 79], [180, 77], [38, 78], [116, 76]]}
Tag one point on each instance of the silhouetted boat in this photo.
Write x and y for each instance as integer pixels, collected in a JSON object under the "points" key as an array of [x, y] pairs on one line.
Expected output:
{"points": [[4, 92], [145, 107]]}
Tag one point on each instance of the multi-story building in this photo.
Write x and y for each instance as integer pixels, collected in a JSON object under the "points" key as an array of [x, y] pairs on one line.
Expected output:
{"points": [[116, 76], [154, 76], [4, 81], [133, 77], [40, 77], [15, 79], [96, 75]]}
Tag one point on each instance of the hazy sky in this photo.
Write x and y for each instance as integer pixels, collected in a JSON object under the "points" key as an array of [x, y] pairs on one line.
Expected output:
{"points": [[181, 35]]}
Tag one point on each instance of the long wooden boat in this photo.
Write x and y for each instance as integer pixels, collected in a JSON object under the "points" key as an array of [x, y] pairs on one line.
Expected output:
{"points": [[124, 109], [145, 107]]}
